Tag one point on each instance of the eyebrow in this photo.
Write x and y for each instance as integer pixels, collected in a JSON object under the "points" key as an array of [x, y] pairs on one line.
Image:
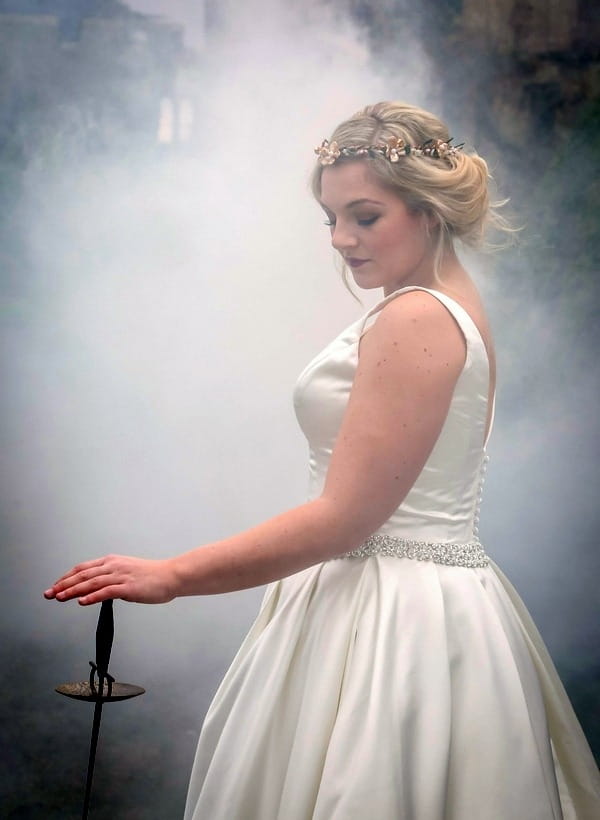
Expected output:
{"points": [[354, 202], [362, 202]]}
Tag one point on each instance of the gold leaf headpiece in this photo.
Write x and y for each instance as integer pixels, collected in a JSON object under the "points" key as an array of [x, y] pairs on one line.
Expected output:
{"points": [[393, 149]]}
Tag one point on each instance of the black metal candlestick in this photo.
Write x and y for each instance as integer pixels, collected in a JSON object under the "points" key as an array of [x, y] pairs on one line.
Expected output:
{"points": [[101, 688]]}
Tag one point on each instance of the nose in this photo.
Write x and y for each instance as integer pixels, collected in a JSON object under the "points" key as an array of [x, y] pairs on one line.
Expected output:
{"points": [[342, 237]]}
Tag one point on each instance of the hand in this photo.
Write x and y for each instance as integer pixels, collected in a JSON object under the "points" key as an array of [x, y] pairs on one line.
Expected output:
{"points": [[117, 576]]}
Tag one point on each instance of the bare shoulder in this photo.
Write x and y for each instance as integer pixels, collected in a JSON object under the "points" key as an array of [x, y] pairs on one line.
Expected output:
{"points": [[418, 325]]}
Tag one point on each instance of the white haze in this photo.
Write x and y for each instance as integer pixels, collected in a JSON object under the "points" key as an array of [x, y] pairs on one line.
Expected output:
{"points": [[151, 409]]}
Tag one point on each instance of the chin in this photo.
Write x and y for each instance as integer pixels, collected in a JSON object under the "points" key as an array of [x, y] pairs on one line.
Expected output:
{"points": [[366, 282]]}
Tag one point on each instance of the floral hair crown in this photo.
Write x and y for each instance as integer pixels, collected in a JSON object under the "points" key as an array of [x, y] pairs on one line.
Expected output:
{"points": [[393, 149]]}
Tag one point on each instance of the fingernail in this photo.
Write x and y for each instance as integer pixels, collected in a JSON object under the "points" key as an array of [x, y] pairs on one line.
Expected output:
{"points": [[48, 593]]}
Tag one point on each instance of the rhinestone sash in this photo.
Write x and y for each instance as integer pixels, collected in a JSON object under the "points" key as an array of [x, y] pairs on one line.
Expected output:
{"points": [[469, 554]]}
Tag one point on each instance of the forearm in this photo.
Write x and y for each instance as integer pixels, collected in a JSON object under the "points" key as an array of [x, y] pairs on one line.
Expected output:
{"points": [[279, 547], [288, 543]]}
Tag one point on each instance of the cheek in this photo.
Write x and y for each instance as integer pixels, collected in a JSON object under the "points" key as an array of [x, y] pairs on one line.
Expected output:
{"points": [[415, 235], [405, 239]]}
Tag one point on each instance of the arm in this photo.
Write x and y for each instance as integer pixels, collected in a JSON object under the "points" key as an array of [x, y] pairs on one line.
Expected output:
{"points": [[409, 363]]}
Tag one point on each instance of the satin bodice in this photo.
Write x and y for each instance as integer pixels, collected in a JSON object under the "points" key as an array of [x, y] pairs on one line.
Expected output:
{"points": [[443, 503]]}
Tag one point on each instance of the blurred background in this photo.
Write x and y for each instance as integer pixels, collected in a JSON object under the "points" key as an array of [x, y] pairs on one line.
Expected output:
{"points": [[165, 276]]}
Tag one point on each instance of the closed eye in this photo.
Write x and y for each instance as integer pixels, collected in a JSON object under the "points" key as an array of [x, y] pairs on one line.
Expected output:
{"points": [[364, 222]]}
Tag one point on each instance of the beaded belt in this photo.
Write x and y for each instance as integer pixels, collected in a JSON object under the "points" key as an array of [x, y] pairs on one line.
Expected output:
{"points": [[469, 554]]}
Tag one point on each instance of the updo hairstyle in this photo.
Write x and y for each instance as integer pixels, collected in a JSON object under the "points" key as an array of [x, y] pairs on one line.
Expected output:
{"points": [[452, 191]]}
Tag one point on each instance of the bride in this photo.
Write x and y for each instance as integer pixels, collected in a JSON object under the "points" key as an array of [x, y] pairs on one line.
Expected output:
{"points": [[392, 671]]}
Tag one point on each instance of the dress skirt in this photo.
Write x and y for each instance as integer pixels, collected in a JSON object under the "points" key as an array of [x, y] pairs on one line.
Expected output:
{"points": [[390, 688]]}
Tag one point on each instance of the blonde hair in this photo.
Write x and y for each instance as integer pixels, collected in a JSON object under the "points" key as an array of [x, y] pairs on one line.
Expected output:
{"points": [[453, 191]]}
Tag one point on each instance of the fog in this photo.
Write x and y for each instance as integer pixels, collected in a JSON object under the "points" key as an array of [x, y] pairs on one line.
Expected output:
{"points": [[150, 352]]}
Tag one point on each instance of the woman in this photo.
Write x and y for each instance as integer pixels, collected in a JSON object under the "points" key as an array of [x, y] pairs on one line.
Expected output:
{"points": [[404, 679]]}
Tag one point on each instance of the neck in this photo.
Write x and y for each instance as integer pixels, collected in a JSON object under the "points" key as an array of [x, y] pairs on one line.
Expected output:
{"points": [[451, 275]]}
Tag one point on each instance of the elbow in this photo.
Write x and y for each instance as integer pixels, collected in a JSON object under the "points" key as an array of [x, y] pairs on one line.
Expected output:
{"points": [[348, 525]]}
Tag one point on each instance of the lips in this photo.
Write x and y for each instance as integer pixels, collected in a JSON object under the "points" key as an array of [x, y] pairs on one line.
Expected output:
{"points": [[355, 263]]}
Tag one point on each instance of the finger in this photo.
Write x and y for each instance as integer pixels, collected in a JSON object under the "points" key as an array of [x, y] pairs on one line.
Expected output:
{"points": [[84, 566], [65, 580], [75, 578], [85, 584], [114, 591]]}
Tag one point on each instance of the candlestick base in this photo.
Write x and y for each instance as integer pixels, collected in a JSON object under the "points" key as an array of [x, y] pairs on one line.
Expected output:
{"points": [[81, 690]]}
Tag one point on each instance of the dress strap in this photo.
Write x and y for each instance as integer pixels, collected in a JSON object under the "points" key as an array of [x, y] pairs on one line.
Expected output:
{"points": [[468, 327]]}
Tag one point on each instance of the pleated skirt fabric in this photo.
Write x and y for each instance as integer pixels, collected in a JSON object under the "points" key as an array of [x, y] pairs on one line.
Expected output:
{"points": [[389, 688]]}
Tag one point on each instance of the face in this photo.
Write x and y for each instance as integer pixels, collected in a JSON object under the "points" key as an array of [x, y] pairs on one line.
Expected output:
{"points": [[383, 243]]}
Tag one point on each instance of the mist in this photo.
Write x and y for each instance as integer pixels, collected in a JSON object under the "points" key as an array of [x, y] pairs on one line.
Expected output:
{"points": [[150, 349]]}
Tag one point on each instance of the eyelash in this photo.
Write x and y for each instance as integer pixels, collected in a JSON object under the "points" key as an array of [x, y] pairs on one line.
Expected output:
{"points": [[364, 223]]}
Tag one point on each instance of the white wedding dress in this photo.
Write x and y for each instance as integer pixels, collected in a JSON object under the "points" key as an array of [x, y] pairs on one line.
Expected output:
{"points": [[405, 681]]}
